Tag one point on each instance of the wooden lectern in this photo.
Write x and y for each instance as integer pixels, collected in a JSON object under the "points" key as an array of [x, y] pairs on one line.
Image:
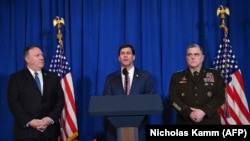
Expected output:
{"points": [[126, 112]]}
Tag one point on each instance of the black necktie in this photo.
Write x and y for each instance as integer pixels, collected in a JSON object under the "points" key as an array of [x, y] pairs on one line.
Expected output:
{"points": [[38, 81], [195, 74]]}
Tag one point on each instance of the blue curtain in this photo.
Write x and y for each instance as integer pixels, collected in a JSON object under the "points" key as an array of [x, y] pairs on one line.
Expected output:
{"points": [[160, 31]]}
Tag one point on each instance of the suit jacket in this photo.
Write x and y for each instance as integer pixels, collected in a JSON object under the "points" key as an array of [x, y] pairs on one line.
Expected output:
{"points": [[26, 102], [206, 92], [142, 83]]}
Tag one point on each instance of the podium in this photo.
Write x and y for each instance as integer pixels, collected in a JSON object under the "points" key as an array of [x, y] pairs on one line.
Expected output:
{"points": [[126, 112]]}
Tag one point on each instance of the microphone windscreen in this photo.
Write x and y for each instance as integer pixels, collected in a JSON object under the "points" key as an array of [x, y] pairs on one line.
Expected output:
{"points": [[124, 71]]}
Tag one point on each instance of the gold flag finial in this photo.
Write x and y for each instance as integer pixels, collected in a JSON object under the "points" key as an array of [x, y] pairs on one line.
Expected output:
{"points": [[58, 23], [222, 11]]}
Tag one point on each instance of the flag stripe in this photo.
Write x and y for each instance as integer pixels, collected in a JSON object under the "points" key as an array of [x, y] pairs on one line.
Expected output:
{"points": [[237, 75], [221, 112], [68, 120], [71, 97], [241, 103], [69, 109], [235, 109]]}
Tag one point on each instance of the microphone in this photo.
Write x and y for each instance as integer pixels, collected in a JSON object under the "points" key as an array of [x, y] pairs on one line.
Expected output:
{"points": [[125, 71]]}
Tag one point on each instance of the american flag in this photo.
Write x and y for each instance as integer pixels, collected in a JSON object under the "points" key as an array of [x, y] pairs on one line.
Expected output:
{"points": [[60, 65], [235, 110]]}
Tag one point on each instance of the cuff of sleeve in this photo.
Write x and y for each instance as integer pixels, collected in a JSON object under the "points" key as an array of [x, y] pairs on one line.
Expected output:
{"points": [[52, 121], [27, 125]]}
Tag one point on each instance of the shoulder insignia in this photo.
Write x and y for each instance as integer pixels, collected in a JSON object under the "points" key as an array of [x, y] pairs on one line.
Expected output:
{"points": [[179, 71]]}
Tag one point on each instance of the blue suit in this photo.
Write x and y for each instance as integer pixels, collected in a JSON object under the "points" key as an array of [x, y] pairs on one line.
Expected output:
{"points": [[142, 84]]}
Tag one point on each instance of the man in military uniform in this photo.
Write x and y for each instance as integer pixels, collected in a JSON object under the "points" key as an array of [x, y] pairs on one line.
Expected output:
{"points": [[197, 92]]}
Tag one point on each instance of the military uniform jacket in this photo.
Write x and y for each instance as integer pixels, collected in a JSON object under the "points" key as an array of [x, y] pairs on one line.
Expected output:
{"points": [[206, 92]]}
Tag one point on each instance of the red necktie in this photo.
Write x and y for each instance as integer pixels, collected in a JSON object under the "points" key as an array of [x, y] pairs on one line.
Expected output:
{"points": [[127, 84]]}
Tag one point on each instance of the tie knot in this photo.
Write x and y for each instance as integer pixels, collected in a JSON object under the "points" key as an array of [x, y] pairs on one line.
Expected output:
{"points": [[36, 73], [195, 73]]}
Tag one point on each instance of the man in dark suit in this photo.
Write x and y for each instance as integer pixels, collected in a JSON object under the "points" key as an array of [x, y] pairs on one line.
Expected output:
{"points": [[36, 108], [128, 80], [197, 92]]}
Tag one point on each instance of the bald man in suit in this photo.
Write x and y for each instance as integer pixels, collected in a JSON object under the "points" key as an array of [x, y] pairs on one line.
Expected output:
{"points": [[140, 82], [36, 110]]}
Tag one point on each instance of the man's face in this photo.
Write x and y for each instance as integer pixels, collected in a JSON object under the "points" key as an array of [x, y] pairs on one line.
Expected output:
{"points": [[35, 59], [194, 57], [126, 57]]}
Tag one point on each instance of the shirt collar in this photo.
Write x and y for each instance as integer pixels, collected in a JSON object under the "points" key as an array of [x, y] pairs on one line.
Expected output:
{"points": [[32, 71]]}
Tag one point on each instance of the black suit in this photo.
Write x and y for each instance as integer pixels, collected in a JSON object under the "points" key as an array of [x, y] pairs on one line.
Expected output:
{"points": [[206, 92], [26, 103], [142, 84]]}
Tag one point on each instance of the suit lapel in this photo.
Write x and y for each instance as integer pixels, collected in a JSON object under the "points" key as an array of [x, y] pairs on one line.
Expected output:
{"points": [[45, 81], [118, 83], [135, 81], [31, 79]]}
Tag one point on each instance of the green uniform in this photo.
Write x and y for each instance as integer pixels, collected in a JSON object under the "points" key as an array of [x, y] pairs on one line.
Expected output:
{"points": [[206, 92]]}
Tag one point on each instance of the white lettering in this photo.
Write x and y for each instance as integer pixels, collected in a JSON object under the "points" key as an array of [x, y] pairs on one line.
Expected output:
{"points": [[157, 132], [196, 132]]}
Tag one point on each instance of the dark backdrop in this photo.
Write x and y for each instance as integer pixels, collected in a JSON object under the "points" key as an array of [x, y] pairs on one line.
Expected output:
{"points": [[160, 31]]}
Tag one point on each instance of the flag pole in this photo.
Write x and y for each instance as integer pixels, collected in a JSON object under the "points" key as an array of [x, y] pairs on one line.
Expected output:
{"points": [[222, 12], [235, 108], [58, 22], [60, 65]]}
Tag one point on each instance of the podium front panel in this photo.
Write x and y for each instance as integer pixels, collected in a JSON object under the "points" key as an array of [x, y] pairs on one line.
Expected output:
{"points": [[123, 105], [125, 121]]}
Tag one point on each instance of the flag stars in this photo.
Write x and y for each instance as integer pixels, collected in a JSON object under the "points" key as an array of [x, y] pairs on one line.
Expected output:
{"points": [[225, 60], [59, 63]]}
